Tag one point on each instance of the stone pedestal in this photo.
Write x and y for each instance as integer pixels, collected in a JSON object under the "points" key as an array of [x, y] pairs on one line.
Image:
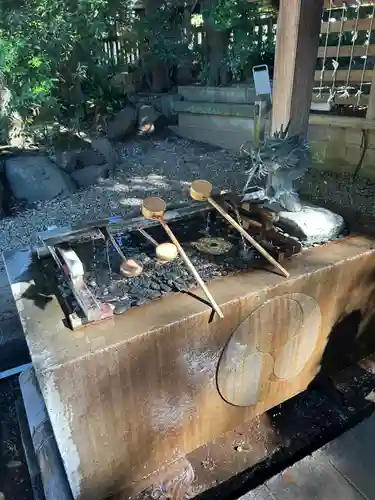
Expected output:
{"points": [[312, 224]]}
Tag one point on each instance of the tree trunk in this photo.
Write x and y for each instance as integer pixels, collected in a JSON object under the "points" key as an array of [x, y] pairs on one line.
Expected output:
{"points": [[184, 72], [159, 75], [217, 47], [158, 69]]}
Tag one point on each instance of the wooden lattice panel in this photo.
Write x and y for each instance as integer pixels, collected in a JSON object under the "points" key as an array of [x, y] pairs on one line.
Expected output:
{"points": [[337, 4], [346, 53]]}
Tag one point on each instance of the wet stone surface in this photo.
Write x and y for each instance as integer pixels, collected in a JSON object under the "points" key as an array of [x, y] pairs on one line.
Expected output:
{"points": [[214, 247], [102, 263]]}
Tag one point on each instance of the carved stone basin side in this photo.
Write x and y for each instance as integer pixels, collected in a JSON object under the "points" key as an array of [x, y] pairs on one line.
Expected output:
{"points": [[128, 397]]}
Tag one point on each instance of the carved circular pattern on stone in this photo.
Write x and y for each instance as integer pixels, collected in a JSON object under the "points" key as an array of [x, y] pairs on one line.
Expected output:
{"points": [[273, 343]]}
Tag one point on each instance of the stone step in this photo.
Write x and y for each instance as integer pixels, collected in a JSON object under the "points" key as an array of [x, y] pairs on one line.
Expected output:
{"points": [[237, 94], [244, 94], [217, 123], [215, 108], [226, 139]]}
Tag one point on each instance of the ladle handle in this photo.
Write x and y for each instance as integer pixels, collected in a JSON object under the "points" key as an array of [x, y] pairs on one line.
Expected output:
{"points": [[191, 267], [148, 237], [249, 238], [115, 244]]}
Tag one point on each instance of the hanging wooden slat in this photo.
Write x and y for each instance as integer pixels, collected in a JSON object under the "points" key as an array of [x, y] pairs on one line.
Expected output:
{"points": [[349, 101], [341, 76], [345, 51], [348, 25], [338, 3]]}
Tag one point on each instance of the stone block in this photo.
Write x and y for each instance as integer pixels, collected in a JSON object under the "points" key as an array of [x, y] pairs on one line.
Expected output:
{"points": [[93, 174], [126, 396], [351, 154], [226, 139], [215, 108], [122, 124], [319, 151], [371, 138], [318, 133], [88, 157], [369, 159], [105, 148], [165, 104], [216, 123], [353, 137], [236, 94]]}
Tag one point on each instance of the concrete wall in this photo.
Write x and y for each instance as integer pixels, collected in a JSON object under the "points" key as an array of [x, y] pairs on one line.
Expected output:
{"points": [[340, 149], [223, 116]]}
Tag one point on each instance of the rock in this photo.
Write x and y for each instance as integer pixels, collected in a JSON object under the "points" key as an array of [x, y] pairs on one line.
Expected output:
{"points": [[122, 307], [105, 148], [66, 160], [142, 302], [165, 105], [89, 157], [312, 224], [36, 178], [151, 294], [86, 177], [147, 117], [123, 82], [184, 74], [154, 285], [122, 124]]}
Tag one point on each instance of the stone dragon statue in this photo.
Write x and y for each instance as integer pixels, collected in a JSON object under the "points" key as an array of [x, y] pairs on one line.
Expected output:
{"points": [[279, 160]]}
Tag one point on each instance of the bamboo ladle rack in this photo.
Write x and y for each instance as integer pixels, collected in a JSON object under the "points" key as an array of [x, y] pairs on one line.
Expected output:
{"points": [[154, 208], [201, 190]]}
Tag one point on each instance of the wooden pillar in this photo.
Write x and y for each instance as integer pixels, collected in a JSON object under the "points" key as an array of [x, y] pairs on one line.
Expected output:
{"points": [[297, 41]]}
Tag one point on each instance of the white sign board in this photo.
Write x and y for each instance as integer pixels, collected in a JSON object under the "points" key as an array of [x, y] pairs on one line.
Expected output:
{"points": [[262, 80]]}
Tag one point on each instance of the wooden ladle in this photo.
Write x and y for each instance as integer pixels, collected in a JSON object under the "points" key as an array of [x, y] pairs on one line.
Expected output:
{"points": [[154, 208], [165, 252], [201, 190], [128, 267]]}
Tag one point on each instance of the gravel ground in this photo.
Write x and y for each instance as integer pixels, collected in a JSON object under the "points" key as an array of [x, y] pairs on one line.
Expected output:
{"points": [[340, 190], [164, 166], [160, 167]]}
